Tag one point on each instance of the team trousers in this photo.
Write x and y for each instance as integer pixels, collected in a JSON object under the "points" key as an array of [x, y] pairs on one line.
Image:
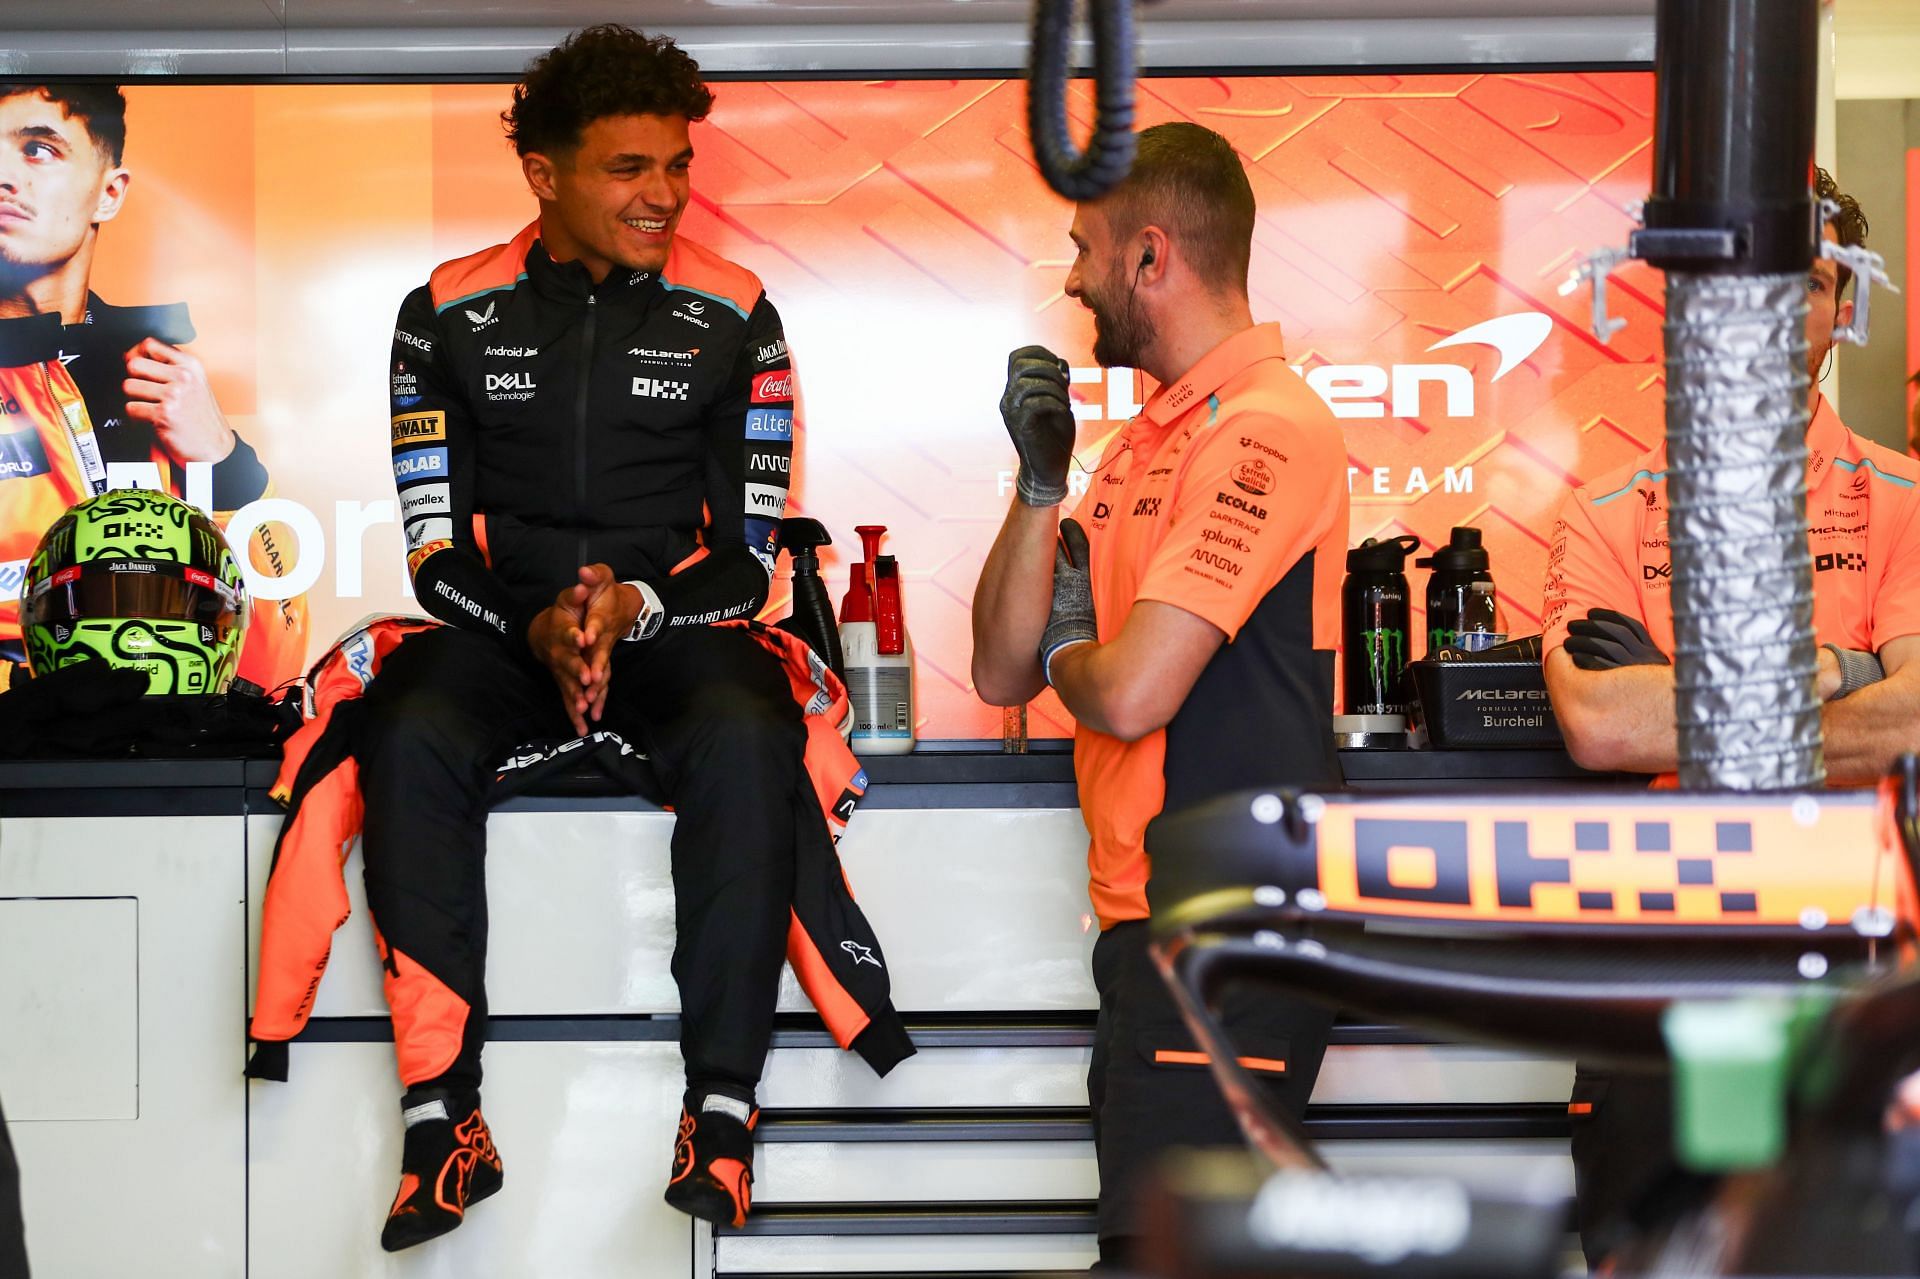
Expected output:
{"points": [[715, 714], [1151, 1092]]}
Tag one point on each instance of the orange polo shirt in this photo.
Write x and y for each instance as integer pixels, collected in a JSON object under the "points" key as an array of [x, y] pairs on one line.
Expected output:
{"points": [[1610, 549], [1225, 497]]}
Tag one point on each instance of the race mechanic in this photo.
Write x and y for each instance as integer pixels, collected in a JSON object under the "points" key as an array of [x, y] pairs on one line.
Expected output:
{"points": [[1186, 613]]}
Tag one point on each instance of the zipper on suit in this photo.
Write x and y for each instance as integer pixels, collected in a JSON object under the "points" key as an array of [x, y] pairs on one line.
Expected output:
{"points": [[86, 451], [580, 426]]}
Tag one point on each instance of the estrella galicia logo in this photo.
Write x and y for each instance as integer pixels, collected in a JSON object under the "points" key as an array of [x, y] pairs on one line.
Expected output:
{"points": [[770, 424], [22, 455], [427, 464]]}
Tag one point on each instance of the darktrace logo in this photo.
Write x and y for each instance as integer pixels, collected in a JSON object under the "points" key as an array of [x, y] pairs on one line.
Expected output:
{"points": [[417, 343]]}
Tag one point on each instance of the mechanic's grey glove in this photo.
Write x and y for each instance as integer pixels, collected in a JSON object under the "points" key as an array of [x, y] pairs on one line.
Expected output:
{"points": [[1071, 621], [1039, 417], [1604, 640]]}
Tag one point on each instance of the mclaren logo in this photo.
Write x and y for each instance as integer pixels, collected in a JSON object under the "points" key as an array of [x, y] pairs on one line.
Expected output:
{"points": [[1401, 390], [1503, 695]]}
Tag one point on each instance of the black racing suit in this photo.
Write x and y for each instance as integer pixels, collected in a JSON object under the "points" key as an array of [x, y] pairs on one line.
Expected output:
{"points": [[542, 422]]}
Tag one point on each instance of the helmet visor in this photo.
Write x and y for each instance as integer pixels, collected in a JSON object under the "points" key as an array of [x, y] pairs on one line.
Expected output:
{"points": [[101, 590]]}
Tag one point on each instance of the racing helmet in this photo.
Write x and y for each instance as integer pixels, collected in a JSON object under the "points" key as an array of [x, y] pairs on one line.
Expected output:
{"points": [[140, 580]]}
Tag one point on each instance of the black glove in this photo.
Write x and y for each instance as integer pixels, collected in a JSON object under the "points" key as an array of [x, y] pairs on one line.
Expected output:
{"points": [[1071, 621], [1604, 640], [1039, 417]]}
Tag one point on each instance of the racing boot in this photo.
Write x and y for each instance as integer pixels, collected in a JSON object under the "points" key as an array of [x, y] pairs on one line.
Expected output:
{"points": [[712, 1176], [447, 1165]]}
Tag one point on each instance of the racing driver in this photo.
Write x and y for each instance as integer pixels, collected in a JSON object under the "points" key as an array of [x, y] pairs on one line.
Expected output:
{"points": [[591, 432]]}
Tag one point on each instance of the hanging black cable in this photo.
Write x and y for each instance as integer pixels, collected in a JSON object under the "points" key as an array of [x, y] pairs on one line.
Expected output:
{"points": [[1077, 174]]}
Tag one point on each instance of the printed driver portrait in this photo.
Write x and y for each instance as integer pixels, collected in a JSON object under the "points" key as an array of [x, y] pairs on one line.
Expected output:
{"points": [[1187, 613], [1608, 648], [92, 393]]}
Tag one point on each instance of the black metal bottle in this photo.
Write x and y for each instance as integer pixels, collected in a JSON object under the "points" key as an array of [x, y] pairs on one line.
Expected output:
{"points": [[1375, 627], [1459, 591]]}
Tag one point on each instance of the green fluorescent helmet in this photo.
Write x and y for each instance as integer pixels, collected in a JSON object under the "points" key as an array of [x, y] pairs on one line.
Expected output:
{"points": [[136, 579]]}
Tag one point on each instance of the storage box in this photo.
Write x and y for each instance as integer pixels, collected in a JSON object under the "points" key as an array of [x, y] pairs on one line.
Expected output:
{"points": [[1482, 705]]}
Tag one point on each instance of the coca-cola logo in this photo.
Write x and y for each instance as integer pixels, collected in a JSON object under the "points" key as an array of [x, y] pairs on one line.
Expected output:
{"points": [[773, 388]]}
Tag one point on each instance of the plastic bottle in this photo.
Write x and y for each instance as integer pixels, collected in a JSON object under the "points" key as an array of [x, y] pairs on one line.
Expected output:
{"points": [[1460, 599], [1376, 627], [812, 616], [878, 653]]}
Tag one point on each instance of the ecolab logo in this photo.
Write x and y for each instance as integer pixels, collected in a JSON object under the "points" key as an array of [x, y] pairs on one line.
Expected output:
{"points": [[1373, 390]]}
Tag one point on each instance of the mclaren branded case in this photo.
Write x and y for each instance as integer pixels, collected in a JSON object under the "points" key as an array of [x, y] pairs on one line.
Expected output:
{"points": [[1469, 705]]}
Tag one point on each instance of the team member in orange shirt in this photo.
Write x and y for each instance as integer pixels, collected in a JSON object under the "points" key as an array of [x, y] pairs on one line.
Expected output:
{"points": [[1608, 647], [1609, 620], [1187, 613]]}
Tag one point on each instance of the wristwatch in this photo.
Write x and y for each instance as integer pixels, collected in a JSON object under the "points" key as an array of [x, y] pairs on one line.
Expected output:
{"points": [[652, 613]]}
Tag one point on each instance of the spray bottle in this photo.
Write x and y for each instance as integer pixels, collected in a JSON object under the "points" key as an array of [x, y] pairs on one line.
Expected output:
{"points": [[877, 652], [812, 616]]}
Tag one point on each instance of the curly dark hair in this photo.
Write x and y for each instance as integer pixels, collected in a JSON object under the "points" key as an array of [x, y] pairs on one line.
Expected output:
{"points": [[601, 71], [1850, 224], [101, 107]]}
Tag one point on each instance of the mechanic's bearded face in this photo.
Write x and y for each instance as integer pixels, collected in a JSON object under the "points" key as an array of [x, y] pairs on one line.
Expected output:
{"points": [[618, 197], [1825, 311], [55, 185], [1102, 279]]}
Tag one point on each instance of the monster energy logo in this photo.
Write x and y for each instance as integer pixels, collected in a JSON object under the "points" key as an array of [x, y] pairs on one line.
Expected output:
{"points": [[1386, 656]]}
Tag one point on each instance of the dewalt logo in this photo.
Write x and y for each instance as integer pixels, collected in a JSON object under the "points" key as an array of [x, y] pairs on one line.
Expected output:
{"points": [[419, 428]]}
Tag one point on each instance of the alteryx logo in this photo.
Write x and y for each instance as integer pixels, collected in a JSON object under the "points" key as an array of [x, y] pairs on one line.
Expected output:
{"points": [[770, 424], [1402, 390]]}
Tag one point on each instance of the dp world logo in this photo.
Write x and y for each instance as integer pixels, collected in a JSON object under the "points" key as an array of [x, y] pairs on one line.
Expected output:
{"points": [[1375, 390]]}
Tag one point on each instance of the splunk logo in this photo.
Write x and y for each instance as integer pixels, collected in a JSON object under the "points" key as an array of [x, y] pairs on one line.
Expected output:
{"points": [[1400, 390]]}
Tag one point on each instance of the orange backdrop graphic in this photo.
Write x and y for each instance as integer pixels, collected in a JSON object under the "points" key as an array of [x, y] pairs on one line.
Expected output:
{"points": [[910, 244]]}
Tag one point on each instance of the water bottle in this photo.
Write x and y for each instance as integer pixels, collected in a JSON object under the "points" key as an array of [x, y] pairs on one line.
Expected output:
{"points": [[1460, 603], [1375, 627]]}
